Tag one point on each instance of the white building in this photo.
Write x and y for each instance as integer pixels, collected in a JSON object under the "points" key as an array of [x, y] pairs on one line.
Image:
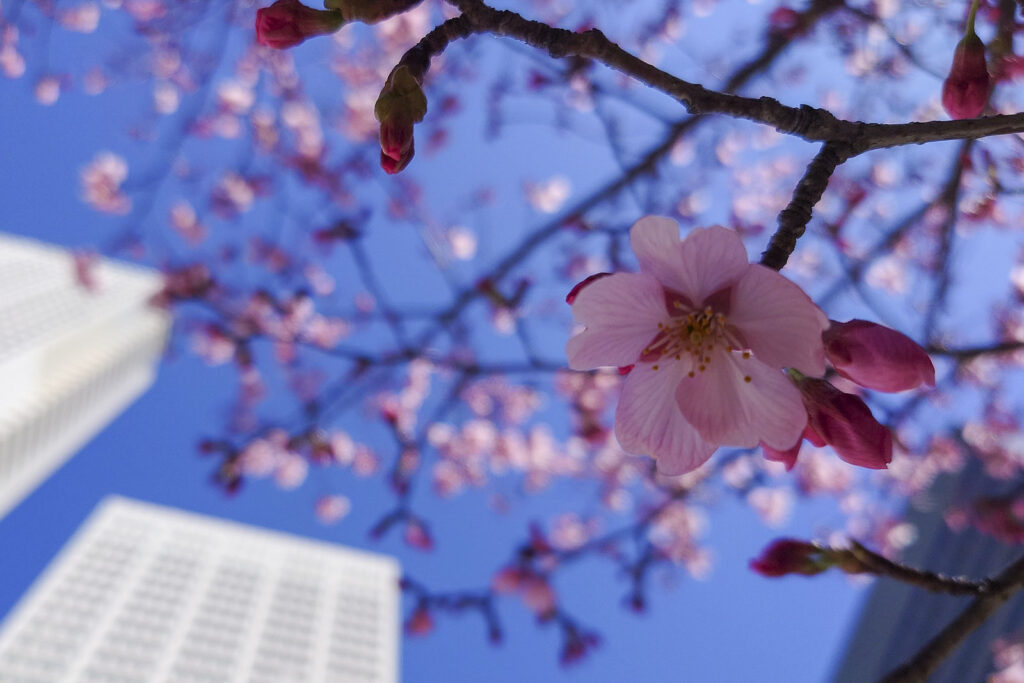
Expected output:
{"points": [[148, 594], [71, 359]]}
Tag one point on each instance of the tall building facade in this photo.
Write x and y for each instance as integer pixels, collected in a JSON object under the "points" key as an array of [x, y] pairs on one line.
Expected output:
{"points": [[71, 357], [148, 594], [897, 620]]}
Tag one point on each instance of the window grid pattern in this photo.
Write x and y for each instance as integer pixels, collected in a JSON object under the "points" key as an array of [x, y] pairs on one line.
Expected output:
{"points": [[146, 594]]}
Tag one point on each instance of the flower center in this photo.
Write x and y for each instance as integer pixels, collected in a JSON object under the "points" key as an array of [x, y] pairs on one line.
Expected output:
{"points": [[695, 334]]}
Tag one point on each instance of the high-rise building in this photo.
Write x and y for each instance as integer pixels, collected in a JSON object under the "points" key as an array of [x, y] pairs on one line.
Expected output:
{"points": [[71, 357], [148, 594], [897, 620]]}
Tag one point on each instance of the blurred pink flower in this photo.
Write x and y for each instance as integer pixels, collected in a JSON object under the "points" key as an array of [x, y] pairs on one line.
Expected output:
{"points": [[85, 265], [708, 333], [790, 556], [101, 183], [330, 509], [533, 588], [877, 357], [420, 622], [417, 536]]}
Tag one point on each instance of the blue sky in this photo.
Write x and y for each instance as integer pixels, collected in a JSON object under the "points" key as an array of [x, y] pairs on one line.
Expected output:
{"points": [[733, 626]]}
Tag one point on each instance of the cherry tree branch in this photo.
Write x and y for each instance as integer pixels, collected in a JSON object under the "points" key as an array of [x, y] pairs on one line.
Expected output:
{"points": [[932, 581], [794, 218], [971, 352], [810, 123], [921, 665]]}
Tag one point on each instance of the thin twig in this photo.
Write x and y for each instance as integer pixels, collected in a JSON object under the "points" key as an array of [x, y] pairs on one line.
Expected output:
{"points": [[936, 583]]}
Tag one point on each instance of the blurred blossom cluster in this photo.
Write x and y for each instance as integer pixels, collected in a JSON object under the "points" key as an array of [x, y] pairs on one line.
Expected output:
{"points": [[407, 331]]}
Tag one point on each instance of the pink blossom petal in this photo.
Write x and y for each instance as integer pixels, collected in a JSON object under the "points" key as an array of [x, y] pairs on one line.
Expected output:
{"points": [[727, 409], [708, 260], [877, 357], [779, 321], [648, 422], [621, 312], [788, 458]]}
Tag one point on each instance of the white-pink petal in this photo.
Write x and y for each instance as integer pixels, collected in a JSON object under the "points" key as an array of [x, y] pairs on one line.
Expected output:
{"points": [[779, 321], [621, 313], [709, 260], [727, 409], [648, 422], [658, 249]]}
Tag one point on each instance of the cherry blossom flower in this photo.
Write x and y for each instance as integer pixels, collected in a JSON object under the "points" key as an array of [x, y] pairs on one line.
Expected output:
{"points": [[101, 183], [708, 333], [533, 588], [82, 18], [330, 509]]}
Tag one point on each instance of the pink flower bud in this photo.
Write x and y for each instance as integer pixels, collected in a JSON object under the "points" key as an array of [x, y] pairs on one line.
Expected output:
{"points": [[845, 422], [420, 622], [965, 91], [507, 580], [417, 536], [577, 645], [784, 21], [539, 596], [790, 556], [287, 23], [401, 104], [396, 137], [877, 357], [393, 165]]}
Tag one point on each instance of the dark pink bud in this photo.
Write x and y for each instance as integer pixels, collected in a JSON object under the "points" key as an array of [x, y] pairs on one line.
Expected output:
{"points": [[287, 23], [877, 357], [538, 596], [401, 104], [965, 91], [396, 139], [417, 536], [507, 580], [420, 622], [575, 291], [785, 21], [790, 556], [391, 165], [576, 646], [845, 422]]}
